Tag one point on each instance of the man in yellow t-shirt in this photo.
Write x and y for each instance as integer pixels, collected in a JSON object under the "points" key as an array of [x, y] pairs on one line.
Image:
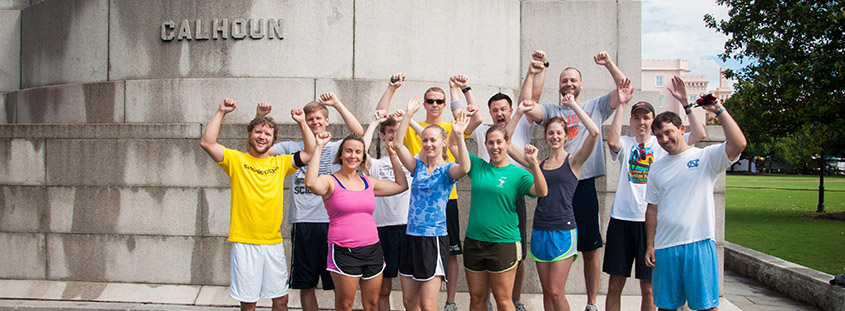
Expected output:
{"points": [[258, 264], [434, 102]]}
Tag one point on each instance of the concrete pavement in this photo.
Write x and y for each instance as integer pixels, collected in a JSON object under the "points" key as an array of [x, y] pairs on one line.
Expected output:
{"points": [[739, 294]]}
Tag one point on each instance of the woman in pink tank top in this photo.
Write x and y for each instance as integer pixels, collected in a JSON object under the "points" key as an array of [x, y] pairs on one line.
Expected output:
{"points": [[355, 255]]}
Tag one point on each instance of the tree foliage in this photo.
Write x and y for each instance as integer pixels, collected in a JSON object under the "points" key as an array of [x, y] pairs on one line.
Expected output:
{"points": [[789, 97]]}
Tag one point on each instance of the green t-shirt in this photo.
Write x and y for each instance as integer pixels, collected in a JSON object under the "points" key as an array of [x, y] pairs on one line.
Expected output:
{"points": [[492, 213]]}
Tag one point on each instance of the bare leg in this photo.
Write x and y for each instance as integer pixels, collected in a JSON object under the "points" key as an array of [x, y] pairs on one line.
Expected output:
{"points": [[478, 283], [502, 285], [370, 292], [344, 291], [384, 294], [517, 282], [248, 306], [308, 299], [648, 299], [592, 272], [553, 276], [410, 293], [280, 303], [452, 274], [614, 292]]}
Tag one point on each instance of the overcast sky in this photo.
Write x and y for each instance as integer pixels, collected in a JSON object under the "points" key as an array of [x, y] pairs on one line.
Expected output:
{"points": [[675, 29]]}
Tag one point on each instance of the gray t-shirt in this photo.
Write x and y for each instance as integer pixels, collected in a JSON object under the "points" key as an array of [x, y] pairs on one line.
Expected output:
{"points": [[599, 110], [307, 207]]}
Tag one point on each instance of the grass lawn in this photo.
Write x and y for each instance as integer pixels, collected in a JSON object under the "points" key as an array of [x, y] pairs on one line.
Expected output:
{"points": [[768, 213]]}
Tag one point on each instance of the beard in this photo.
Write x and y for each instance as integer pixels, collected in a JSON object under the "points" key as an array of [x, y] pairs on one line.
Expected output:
{"points": [[259, 151]]}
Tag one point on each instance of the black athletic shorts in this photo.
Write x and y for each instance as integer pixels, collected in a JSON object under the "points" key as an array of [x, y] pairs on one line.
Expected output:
{"points": [[422, 255], [308, 256], [626, 242], [391, 238], [365, 262], [585, 205], [491, 257], [453, 227]]}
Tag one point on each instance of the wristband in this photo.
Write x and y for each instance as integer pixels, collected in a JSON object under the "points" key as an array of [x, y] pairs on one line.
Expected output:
{"points": [[688, 108], [466, 89], [457, 104], [720, 111], [546, 64]]}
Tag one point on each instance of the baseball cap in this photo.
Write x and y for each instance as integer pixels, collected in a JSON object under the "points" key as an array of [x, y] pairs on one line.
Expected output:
{"points": [[644, 106]]}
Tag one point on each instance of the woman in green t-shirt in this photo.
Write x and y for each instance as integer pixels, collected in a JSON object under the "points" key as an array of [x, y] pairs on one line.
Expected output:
{"points": [[492, 243]]}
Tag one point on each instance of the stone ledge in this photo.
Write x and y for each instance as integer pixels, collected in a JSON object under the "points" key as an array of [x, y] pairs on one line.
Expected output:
{"points": [[793, 280], [102, 131]]}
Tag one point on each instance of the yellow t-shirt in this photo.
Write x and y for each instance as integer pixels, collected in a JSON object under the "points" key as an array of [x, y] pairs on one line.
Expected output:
{"points": [[414, 143], [257, 195]]}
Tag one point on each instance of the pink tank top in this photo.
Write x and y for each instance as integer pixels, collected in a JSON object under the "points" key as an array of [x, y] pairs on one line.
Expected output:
{"points": [[350, 212]]}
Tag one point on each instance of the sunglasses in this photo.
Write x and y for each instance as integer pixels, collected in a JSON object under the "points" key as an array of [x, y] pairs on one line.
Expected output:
{"points": [[438, 101]]}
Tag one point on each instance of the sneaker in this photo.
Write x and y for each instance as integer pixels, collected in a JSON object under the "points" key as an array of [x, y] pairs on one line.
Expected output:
{"points": [[450, 306], [519, 306], [489, 304], [591, 307]]}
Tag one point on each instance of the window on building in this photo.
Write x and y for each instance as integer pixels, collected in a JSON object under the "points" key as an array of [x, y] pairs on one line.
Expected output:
{"points": [[692, 99], [661, 101], [658, 81]]}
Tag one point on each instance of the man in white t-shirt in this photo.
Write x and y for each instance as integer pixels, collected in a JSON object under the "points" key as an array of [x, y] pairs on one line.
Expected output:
{"points": [[681, 217], [626, 237]]}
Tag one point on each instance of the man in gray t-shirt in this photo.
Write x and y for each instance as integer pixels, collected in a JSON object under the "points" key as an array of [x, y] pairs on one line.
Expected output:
{"points": [[585, 200], [310, 222]]}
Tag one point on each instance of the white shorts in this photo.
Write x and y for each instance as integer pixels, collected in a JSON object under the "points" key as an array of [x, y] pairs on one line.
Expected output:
{"points": [[258, 271]]}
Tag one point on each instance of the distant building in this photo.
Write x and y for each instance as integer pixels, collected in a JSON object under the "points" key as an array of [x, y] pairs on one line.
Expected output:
{"points": [[657, 76]]}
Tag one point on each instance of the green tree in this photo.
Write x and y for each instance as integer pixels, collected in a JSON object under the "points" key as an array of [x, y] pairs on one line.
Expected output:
{"points": [[789, 97]]}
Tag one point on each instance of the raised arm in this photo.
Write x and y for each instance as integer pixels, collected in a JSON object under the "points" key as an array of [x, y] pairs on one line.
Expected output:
{"points": [[402, 151], [319, 185], [459, 126], [603, 59], [580, 156], [475, 120], [624, 93], [263, 109], [650, 230], [523, 107], [734, 139], [395, 82], [308, 139], [208, 142], [679, 92], [329, 99], [532, 86], [540, 188], [386, 187], [379, 116]]}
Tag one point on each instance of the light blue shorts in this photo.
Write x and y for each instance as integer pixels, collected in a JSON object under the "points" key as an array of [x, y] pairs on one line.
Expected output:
{"points": [[687, 272], [549, 246]]}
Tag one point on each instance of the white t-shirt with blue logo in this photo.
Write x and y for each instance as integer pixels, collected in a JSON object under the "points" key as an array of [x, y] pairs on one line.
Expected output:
{"points": [[682, 187], [429, 195]]}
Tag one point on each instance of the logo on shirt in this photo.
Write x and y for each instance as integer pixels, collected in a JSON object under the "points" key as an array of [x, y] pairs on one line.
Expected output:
{"points": [[260, 171], [639, 163], [692, 163], [502, 182]]}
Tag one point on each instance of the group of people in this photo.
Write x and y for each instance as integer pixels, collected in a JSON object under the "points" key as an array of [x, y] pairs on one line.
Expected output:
{"points": [[358, 222]]}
